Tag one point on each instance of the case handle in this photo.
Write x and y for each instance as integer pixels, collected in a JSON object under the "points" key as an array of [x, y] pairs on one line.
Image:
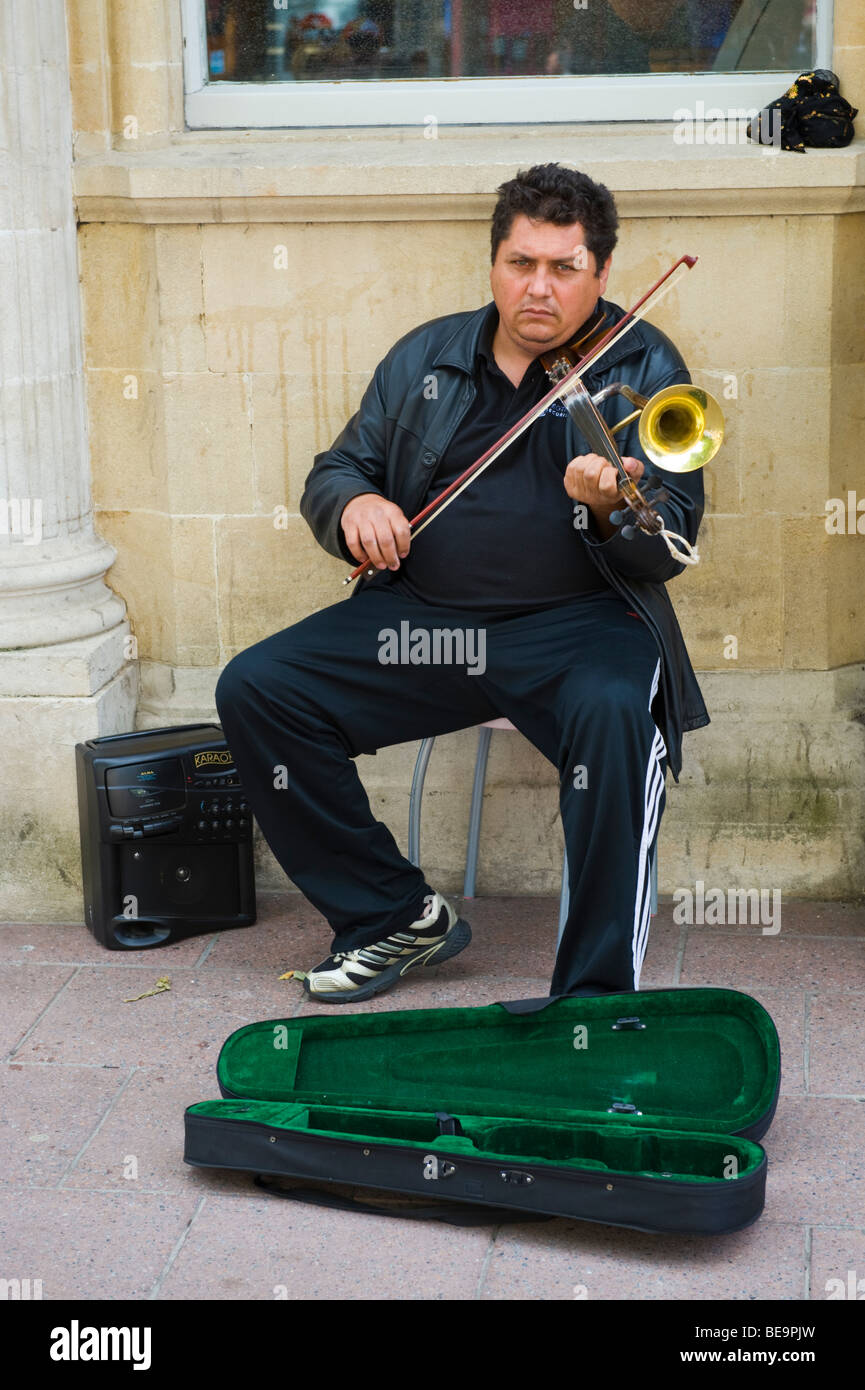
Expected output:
{"points": [[454, 1215], [448, 1124]]}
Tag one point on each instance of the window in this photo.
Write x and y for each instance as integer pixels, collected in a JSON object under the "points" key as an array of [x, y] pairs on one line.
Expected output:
{"points": [[381, 62]]}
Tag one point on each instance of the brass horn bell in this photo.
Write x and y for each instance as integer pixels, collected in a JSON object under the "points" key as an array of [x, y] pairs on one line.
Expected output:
{"points": [[681, 427]]}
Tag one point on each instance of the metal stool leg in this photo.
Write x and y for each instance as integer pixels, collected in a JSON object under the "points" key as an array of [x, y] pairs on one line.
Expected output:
{"points": [[484, 736], [564, 899], [415, 799]]}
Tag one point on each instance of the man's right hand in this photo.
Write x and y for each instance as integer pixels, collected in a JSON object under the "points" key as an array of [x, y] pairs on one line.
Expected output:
{"points": [[376, 531]]}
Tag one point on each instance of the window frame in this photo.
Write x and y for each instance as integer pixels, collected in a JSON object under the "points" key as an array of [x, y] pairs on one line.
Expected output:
{"points": [[485, 101]]}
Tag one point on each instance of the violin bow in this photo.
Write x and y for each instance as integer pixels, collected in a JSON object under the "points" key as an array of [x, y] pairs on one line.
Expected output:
{"points": [[613, 334]]}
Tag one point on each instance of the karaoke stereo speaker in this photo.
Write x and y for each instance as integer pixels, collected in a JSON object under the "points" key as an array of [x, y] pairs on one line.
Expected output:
{"points": [[166, 836]]}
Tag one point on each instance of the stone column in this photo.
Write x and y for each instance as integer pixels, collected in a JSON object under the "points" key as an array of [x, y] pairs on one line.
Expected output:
{"points": [[64, 670]]}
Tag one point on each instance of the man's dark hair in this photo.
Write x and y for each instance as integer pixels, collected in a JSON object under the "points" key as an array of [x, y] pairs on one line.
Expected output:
{"points": [[550, 193]]}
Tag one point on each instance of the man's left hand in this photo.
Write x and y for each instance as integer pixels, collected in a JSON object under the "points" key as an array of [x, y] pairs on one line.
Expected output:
{"points": [[593, 480]]}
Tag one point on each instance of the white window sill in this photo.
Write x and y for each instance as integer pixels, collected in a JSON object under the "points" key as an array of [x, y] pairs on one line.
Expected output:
{"points": [[398, 174]]}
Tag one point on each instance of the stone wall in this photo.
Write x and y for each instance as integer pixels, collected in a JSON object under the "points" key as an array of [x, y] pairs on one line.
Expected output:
{"points": [[238, 288]]}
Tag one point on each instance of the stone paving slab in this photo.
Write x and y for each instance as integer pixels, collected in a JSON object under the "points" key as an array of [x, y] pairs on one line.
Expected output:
{"points": [[96, 1201], [816, 1149], [48, 1114], [139, 1144], [422, 990], [838, 1263], [75, 945], [90, 1021], [788, 1009], [836, 1019], [91, 1245], [581, 1261], [28, 990], [268, 1248], [515, 940], [741, 960]]}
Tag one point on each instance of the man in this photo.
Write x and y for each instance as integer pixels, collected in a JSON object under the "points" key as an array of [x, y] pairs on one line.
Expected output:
{"points": [[580, 646]]}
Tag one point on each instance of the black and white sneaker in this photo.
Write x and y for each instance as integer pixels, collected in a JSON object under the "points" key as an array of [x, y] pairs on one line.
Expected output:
{"points": [[353, 975]]}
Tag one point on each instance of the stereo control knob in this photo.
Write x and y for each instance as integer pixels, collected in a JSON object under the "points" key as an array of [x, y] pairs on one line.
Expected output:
{"points": [[202, 825]]}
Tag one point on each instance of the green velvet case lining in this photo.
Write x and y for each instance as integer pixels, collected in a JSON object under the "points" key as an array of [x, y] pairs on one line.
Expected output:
{"points": [[707, 1060], [615, 1148]]}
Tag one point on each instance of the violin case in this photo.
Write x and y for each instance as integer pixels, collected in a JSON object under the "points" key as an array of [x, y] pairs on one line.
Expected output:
{"points": [[641, 1109]]}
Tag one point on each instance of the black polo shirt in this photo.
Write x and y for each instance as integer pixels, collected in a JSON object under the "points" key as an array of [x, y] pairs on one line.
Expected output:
{"points": [[507, 543]]}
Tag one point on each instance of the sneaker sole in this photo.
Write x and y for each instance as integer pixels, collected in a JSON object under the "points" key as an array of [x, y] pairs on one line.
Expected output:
{"points": [[456, 940]]}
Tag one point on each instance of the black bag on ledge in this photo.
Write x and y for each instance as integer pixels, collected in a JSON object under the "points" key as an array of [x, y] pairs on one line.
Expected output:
{"points": [[812, 112], [640, 1109]]}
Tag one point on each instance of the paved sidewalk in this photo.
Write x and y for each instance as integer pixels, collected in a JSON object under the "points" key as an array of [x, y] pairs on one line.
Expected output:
{"points": [[96, 1202]]}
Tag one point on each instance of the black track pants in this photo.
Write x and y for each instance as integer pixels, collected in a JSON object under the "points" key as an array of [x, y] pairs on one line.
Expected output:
{"points": [[578, 681]]}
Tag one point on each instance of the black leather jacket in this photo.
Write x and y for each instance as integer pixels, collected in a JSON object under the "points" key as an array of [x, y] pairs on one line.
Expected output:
{"points": [[410, 411]]}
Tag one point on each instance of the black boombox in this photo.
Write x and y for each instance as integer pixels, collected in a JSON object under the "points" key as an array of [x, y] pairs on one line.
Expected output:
{"points": [[166, 836]]}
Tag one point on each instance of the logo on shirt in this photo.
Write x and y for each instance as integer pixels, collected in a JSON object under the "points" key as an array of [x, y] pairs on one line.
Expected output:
{"points": [[555, 408]]}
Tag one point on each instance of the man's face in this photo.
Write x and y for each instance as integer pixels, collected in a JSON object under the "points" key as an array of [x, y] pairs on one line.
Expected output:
{"points": [[544, 283]]}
